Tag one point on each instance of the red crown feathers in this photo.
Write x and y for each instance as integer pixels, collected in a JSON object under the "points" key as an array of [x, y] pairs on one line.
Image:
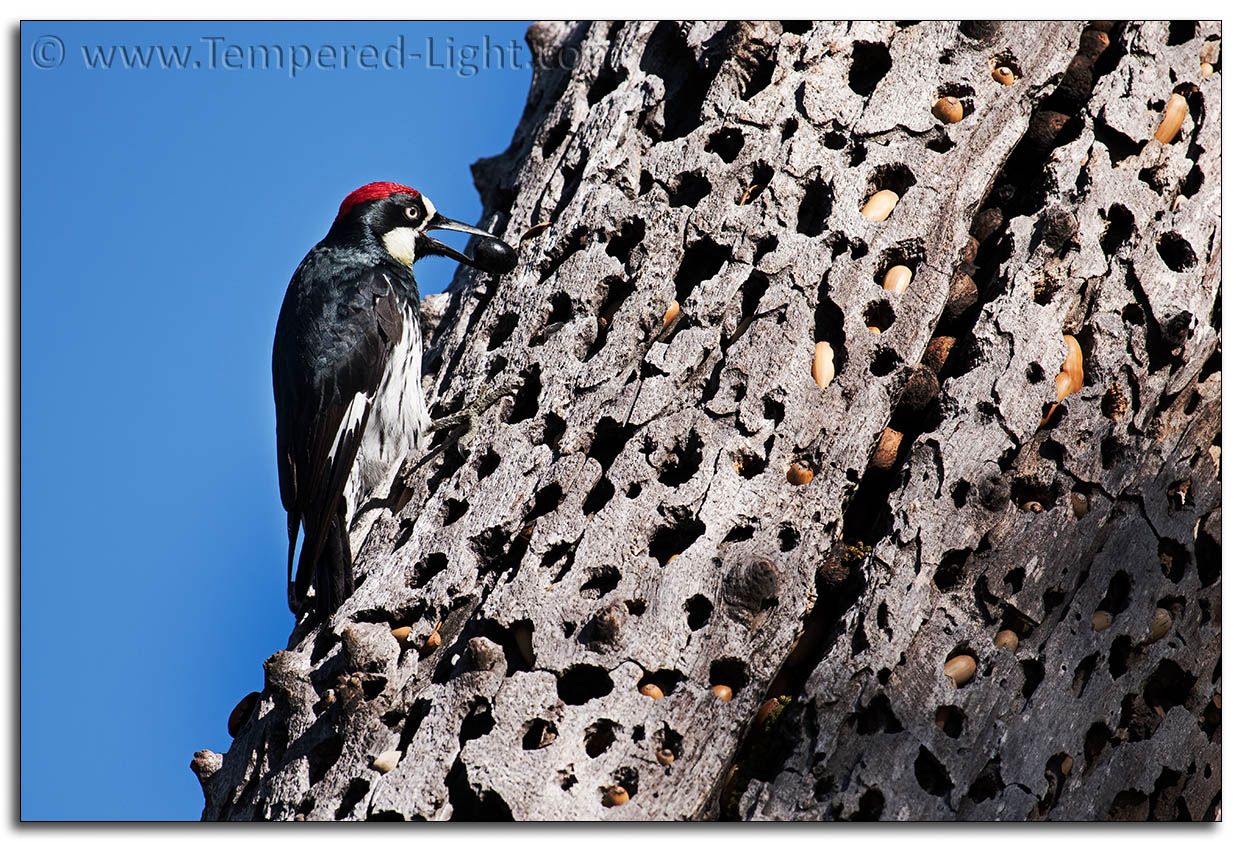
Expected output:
{"points": [[374, 190]]}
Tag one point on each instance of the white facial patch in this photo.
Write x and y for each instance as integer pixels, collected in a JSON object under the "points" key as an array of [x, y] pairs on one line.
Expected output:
{"points": [[399, 242]]}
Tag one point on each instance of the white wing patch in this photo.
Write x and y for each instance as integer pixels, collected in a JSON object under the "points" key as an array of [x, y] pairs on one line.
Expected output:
{"points": [[350, 423], [398, 418]]}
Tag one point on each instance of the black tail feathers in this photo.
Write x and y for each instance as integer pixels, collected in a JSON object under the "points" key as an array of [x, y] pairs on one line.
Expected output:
{"points": [[332, 572]]}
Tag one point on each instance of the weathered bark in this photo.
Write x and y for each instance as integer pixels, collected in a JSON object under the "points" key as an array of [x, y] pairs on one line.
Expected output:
{"points": [[637, 513]]}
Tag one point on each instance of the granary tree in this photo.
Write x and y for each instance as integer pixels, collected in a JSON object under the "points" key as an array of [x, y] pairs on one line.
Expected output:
{"points": [[863, 459]]}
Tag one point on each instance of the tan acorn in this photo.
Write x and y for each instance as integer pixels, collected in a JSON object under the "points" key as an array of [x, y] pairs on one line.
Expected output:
{"points": [[897, 278], [535, 230], [1005, 639], [822, 368], [885, 455], [938, 351], [879, 206], [799, 475], [1101, 620], [724, 691], [665, 757], [402, 635], [651, 691], [1161, 622], [948, 109], [1079, 504], [387, 761], [1003, 75], [671, 313], [1114, 403], [1171, 123], [616, 796], [960, 669]]}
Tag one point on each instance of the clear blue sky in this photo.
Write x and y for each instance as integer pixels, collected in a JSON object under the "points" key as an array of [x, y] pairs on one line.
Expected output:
{"points": [[163, 211]]}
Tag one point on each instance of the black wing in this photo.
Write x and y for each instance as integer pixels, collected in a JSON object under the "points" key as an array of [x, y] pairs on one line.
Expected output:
{"points": [[335, 335]]}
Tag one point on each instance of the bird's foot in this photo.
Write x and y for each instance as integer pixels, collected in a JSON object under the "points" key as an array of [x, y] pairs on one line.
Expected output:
{"points": [[463, 425]]}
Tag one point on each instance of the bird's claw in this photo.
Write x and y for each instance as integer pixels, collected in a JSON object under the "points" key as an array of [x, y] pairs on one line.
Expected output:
{"points": [[463, 425]]}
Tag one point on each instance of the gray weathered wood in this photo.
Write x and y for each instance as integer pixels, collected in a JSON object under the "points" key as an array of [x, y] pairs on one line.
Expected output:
{"points": [[629, 517]]}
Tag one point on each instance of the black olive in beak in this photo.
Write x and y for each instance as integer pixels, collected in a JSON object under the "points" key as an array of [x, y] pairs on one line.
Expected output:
{"points": [[491, 254]]}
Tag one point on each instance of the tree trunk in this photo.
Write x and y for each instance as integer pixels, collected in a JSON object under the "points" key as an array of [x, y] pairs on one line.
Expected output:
{"points": [[672, 505]]}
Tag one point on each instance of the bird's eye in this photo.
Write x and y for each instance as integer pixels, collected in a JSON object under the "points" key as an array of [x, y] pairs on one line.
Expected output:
{"points": [[414, 214]]}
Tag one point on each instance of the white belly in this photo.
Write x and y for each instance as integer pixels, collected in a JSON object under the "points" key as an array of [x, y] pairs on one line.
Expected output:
{"points": [[397, 423]]}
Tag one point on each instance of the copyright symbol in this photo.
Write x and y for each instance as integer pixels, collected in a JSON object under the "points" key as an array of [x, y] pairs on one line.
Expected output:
{"points": [[47, 52]]}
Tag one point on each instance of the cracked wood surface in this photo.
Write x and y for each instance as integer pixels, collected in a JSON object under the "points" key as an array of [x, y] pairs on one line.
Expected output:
{"points": [[630, 518]]}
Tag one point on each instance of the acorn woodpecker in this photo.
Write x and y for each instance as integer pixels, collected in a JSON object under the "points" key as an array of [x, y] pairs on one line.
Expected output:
{"points": [[347, 373]]}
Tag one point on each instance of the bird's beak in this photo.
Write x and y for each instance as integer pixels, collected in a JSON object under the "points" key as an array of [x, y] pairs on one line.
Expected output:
{"points": [[491, 254]]}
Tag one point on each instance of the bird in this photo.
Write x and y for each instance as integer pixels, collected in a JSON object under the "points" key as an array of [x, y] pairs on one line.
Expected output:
{"points": [[347, 374]]}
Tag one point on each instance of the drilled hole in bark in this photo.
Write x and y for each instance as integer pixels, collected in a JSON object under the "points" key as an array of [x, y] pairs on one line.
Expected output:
{"points": [[730, 672], [1176, 252], [895, 177], [579, 684], [725, 144], [815, 209], [667, 680], [760, 176], [560, 310], [431, 565], [526, 401], [599, 737], [1117, 598], [931, 774], [323, 757], [1094, 743], [876, 716], [603, 580], [353, 794], [829, 326], [555, 137], [950, 719], [1033, 676], [909, 253], [488, 463], [885, 362], [868, 64], [1120, 657], [698, 611], [840, 243], [702, 261], [1180, 31], [598, 496], [691, 189], [682, 462], [502, 330], [538, 733], [614, 291], [951, 570], [879, 314], [675, 537], [939, 142], [1207, 558], [608, 80], [1083, 673], [1118, 229]]}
